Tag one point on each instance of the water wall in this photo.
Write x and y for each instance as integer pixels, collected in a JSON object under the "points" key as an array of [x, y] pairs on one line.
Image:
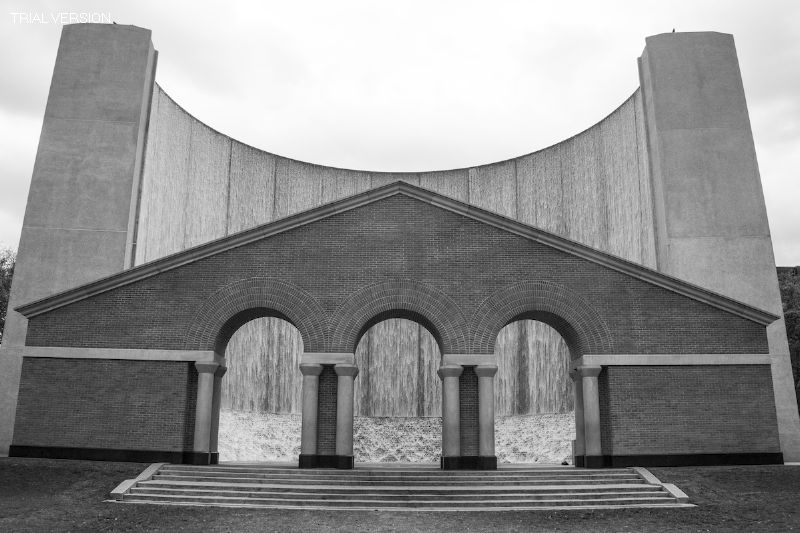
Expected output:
{"points": [[199, 185]]}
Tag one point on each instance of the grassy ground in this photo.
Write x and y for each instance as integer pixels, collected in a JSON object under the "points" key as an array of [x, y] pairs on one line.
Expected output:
{"points": [[40, 495]]}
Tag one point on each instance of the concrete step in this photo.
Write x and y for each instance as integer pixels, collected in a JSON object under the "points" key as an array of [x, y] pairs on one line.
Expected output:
{"points": [[375, 481], [523, 503], [403, 488], [395, 489], [410, 496], [362, 475], [360, 470]]}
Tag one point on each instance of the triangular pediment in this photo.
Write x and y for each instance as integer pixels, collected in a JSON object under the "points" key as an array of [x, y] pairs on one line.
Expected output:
{"points": [[374, 195]]}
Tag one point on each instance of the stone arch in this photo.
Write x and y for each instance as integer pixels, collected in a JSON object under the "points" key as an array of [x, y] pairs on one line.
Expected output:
{"points": [[581, 326], [239, 302], [399, 299]]}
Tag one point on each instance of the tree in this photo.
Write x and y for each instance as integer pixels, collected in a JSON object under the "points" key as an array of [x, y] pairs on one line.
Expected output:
{"points": [[8, 258], [789, 283]]}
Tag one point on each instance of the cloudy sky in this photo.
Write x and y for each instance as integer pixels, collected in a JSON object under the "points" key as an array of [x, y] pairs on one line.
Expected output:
{"points": [[412, 85]]}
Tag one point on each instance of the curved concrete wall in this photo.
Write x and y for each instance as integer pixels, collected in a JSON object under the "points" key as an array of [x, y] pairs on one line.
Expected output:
{"points": [[200, 185]]}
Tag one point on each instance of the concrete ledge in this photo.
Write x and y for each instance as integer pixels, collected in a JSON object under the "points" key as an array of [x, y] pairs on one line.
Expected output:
{"points": [[671, 359], [469, 359], [647, 475], [676, 493], [120, 490], [109, 454], [55, 352], [696, 459], [321, 358]]}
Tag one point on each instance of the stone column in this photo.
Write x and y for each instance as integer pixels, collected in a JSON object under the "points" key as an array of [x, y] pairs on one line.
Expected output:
{"points": [[487, 459], [308, 432], [215, 405], [451, 413], [344, 414], [591, 416], [579, 446], [204, 412]]}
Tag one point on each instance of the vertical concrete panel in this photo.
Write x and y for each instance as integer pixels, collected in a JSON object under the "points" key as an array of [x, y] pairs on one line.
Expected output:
{"points": [[252, 188], [379, 179], [647, 235], [298, 187], [86, 177], [166, 175], [206, 216], [494, 187], [618, 156], [146, 216], [450, 183], [584, 191], [541, 191], [339, 183], [711, 220]]}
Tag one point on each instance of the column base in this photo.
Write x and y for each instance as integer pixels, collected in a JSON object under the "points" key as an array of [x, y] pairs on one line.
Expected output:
{"points": [[693, 459], [469, 462], [342, 462]]}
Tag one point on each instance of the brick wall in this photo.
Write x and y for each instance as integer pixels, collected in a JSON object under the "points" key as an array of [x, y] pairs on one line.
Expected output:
{"points": [[460, 262], [468, 401], [113, 404], [687, 410], [326, 414]]}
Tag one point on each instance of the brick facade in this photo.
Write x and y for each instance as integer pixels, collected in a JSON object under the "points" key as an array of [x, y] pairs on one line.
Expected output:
{"points": [[326, 417], [698, 409], [462, 270], [468, 402], [462, 274], [115, 404]]}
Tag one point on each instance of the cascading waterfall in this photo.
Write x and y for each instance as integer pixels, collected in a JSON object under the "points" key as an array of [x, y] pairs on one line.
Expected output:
{"points": [[397, 393]]}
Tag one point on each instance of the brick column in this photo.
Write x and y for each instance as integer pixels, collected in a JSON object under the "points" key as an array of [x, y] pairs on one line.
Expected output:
{"points": [[308, 433], [487, 459], [451, 412], [578, 446], [591, 416], [215, 406], [203, 413], [344, 414]]}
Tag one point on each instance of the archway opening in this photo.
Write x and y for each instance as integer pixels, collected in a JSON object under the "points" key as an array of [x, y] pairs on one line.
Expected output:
{"points": [[398, 392], [534, 398], [261, 393]]}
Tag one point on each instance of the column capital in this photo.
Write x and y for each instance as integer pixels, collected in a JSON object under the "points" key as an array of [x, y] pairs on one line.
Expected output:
{"points": [[450, 371], [486, 371], [206, 368], [310, 369], [346, 370], [589, 371]]}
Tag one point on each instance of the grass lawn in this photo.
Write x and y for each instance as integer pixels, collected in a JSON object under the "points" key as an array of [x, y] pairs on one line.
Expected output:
{"points": [[45, 495]]}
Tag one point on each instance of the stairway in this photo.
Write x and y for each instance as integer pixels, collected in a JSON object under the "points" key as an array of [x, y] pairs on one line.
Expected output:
{"points": [[398, 487]]}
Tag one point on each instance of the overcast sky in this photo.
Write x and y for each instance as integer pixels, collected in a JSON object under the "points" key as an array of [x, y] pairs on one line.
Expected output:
{"points": [[409, 85]]}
